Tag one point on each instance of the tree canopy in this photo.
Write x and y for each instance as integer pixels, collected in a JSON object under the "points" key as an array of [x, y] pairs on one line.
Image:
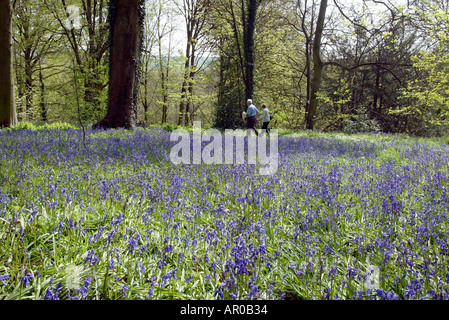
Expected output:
{"points": [[321, 65]]}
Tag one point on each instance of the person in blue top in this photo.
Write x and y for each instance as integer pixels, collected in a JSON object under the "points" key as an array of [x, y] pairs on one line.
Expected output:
{"points": [[251, 116]]}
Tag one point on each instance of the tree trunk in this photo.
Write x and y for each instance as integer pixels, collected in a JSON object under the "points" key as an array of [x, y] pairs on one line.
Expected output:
{"points": [[189, 106], [126, 23], [164, 88], [43, 105], [92, 89], [317, 67], [182, 104], [8, 115], [28, 83], [145, 98], [249, 30], [164, 83]]}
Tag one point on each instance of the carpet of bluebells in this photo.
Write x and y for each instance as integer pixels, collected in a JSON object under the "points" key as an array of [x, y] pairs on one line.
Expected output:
{"points": [[113, 218]]}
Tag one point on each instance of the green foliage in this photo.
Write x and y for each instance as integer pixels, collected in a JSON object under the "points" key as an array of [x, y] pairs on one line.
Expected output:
{"points": [[231, 97], [93, 91], [169, 127], [421, 107], [361, 123], [23, 125], [278, 83], [26, 125], [334, 109], [57, 126], [428, 94], [42, 45]]}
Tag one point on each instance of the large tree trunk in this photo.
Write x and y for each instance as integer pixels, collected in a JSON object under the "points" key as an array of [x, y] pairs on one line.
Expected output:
{"points": [[317, 67], [126, 22], [249, 30], [8, 115]]}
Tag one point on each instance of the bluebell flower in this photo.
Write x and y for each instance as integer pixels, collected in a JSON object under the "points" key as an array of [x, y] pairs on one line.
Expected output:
{"points": [[4, 277], [85, 289], [91, 257], [125, 290], [253, 291], [351, 272], [327, 291], [387, 295], [219, 294], [332, 272], [52, 292], [282, 294], [27, 278], [70, 297], [142, 268]]}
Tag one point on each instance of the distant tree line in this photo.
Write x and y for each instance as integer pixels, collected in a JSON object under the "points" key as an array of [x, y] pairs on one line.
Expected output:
{"points": [[334, 65]]}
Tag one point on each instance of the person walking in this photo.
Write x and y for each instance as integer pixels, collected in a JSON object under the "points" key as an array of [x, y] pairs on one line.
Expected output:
{"points": [[266, 118], [251, 116]]}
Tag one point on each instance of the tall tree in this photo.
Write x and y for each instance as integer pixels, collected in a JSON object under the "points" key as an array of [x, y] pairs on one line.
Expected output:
{"points": [[374, 57], [317, 67], [225, 27], [428, 93], [195, 14], [88, 40], [236, 41], [147, 95], [126, 18], [8, 115], [249, 14], [34, 39], [164, 30]]}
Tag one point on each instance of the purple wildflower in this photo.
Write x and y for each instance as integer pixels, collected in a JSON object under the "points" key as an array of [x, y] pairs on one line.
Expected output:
{"points": [[85, 289], [4, 277], [27, 278], [125, 290]]}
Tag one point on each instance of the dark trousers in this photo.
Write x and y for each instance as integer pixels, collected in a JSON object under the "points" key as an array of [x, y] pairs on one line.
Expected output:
{"points": [[251, 123], [265, 126]]}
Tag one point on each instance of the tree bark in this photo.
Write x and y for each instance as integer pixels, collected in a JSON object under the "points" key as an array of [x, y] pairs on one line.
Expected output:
{"points": [[317, 67], [164, 85], [182, 104], [189, 106], [42, 103], [29, 83], [249, 50], [8, 115], [126, 23]]}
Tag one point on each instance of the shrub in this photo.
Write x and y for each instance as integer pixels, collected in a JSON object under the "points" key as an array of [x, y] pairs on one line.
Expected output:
{"points": [[361, 123]]}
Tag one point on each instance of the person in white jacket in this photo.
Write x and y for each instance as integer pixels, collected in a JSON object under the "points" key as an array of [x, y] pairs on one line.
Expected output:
{"points": [[266, 118]]}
